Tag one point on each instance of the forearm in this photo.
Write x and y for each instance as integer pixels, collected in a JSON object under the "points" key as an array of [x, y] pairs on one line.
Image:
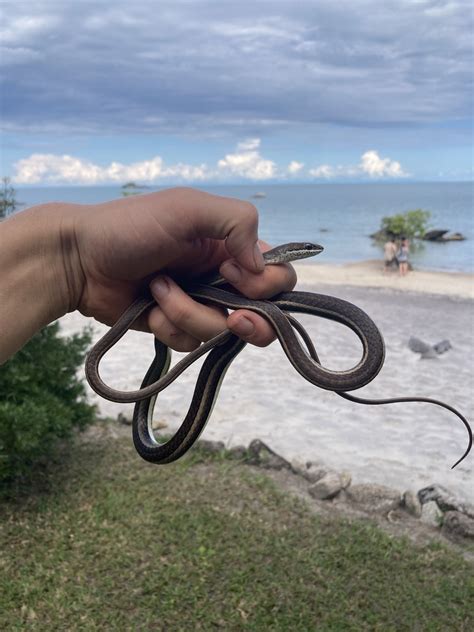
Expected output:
{"points": [[35, 273]]}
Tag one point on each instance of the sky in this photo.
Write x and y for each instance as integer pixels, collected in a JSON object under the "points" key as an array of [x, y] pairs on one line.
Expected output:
{"points": [[188, 92]]}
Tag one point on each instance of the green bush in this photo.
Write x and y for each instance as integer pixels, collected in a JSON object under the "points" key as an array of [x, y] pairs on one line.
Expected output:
{"points": [[41, 399], [410, 224]]}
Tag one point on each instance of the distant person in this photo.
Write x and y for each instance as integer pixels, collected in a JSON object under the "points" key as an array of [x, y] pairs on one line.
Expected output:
{"points": [[402, 256], [389, 255]]}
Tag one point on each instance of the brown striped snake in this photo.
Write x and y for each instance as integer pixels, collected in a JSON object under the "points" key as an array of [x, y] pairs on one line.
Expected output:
{"points": [[224, 347]]}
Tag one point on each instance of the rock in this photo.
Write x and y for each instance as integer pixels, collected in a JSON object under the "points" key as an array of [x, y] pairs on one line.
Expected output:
{"points": [[380, 235], [377, 498], [314, 472], [260, 454], [346, 479], [238, 452], [435, 235], [418, 346], [442, 346], [411, 503], [458, 526], [327, 487], [124, 419], [431, 514], [454, 237], [211, 446], [442, 236], [445, 499]]}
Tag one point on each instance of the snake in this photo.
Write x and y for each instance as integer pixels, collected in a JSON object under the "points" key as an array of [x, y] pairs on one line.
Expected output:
{"points": [[224, 348]]}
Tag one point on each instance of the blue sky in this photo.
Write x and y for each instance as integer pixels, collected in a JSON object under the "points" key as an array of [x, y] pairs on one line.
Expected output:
{"points": [[260, 91]]}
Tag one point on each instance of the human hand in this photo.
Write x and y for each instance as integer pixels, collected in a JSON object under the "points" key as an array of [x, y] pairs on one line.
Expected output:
{"points": [[121, 247]]}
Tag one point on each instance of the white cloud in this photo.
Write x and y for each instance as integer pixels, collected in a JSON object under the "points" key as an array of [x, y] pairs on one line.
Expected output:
{"points": [[50, 168], [371, 164], [323, 171], [374, 166], [247, 162], [295, 167]]}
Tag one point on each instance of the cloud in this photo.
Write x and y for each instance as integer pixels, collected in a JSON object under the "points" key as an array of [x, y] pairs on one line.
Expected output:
{"points": [[371, 164], [247, 162], [323, 171], [374, 166], [213, 68], [50, 168], [295, 167]]}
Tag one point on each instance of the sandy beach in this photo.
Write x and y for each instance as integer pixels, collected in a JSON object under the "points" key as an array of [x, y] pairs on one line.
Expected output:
{"points": [[369, 274], [406, 446]]}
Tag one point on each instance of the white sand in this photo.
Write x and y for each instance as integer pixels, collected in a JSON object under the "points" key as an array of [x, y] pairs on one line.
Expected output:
{"points": [[406, 446], [369, 274]]}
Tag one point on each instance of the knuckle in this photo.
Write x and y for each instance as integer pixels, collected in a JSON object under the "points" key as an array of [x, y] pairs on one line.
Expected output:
{"points": [[249, 210]]}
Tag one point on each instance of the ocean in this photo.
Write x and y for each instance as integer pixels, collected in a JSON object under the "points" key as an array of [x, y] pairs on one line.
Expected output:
{"points": [[338, 216]]}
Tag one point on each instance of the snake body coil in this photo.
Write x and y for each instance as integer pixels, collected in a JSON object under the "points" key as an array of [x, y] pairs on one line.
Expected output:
{"points": [[226, 346]]}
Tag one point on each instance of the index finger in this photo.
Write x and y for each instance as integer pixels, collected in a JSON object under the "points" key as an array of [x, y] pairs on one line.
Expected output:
{"points": [[219, 217]]}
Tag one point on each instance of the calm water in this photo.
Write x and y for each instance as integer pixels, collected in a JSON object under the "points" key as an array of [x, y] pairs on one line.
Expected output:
{"points": [[339, 216]]}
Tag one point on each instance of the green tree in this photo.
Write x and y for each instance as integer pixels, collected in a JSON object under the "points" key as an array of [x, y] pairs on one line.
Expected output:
{"points": [[7, 198], [410, 224]]}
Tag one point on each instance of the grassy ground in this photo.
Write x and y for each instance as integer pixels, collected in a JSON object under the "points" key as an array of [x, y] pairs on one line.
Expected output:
{"points": [[117, 544]]}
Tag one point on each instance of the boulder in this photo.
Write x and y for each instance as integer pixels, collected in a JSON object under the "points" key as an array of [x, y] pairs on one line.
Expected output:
{"points": [[435, 235], [458, 526], [445, 499], [454, 237], [377, 498], [263, 456], [431, 514], [411, 503], [327, 487]]}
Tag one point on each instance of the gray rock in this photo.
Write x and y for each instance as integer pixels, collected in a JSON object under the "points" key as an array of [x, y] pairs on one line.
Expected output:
{"points": [[238, 452], [442, 346], [124, 419], [445, 499], [412, 504], [211, 446], [377, 498], [431, 514], [454, 237], [327, 487], [346, 479], [314, 473], [435, 235], [458, 526], [418, 346], [263, 456]]}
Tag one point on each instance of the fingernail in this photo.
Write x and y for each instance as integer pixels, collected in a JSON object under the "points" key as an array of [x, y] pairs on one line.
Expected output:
{"points": [[159, 287], [243, 327], [231, 272], [258, 258]]}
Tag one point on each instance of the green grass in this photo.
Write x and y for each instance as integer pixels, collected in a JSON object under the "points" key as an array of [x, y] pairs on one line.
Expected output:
{"points": [[114, 543]]}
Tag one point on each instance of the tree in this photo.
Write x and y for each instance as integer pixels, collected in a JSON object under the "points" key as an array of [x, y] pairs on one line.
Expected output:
{"points": [[7, 198], [410, 224]]}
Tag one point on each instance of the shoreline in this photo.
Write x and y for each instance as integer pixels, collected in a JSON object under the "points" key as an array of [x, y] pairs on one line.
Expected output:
{"points": [[369, 274]]}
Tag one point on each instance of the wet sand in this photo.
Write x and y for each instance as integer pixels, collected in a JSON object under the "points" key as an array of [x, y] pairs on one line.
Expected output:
{"points": [[406, 446]]}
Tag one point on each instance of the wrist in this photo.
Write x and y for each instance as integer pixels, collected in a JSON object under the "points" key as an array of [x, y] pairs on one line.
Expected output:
{"points": [[40, 279]]}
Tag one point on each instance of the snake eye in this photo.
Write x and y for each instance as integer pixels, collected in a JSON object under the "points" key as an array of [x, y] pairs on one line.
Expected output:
{"points": [[308, 246]]}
